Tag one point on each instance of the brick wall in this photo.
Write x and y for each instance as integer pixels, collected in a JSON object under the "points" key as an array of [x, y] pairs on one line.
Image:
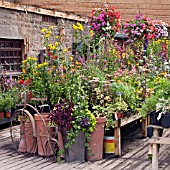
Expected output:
{"points": [[16, 24]]}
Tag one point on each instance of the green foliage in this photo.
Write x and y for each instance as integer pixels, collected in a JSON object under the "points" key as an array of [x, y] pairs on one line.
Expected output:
{"points": [[149, 105]]}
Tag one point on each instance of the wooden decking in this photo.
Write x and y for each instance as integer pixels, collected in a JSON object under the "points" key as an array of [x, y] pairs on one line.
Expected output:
{"points": [[134, 157]]}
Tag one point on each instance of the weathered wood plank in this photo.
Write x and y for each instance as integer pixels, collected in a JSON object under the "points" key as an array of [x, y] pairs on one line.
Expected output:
{"points": [[159, 140], [42, 11]]}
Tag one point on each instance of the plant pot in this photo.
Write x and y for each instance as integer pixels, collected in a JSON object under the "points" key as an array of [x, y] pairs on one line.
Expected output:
{"points": [[120, 115], [1, 115], [28, 142], [31, 141], [60, 142], [22, 144], [96, 141], [8, 114], [43, 133], [165, 120], [76, 152], [154, 120]]}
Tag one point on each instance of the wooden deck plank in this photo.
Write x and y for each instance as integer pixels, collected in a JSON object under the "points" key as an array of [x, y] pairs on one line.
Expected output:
{"points": [[135, 159]]}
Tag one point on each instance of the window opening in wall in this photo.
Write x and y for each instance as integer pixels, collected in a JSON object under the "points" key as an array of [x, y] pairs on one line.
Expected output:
{"points": [[11, 54]]}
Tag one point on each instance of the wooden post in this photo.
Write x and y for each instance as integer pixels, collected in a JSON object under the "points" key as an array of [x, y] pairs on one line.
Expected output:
{"points": [[144, 127], [155, 151], [145, 123], [117, 134]]}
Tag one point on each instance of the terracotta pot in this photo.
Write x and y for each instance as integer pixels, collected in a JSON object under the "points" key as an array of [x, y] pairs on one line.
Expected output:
{"points": [[27, 143], [22, 144], [96, 142], [42, 134], [31, 142], [1, 115], [8, 114], [120, 115]]}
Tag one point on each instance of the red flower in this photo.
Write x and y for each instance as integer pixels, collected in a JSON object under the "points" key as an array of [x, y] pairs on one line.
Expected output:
{"points": [[21, 81]]}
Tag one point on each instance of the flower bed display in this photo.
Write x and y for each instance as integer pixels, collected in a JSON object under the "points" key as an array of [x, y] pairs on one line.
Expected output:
{"points": [[104, 76]]}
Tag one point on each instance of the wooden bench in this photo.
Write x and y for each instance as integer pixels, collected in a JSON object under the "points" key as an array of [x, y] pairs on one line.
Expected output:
{"points": [[122, 122], [154, 141]]}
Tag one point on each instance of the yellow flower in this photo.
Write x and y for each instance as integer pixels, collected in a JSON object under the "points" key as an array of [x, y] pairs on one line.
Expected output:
{"points": [[65, 50], [39, 65], [24, 61], [91, 33], [50, 45], [47, 35], [118, 81], [163, 73], [29, 58], [34, 59], [23, 70], [51, 27], [129, 63], [71, 58], [57, 36], [56, 44], [44, 30], [80, 26], [75, 27], [45, 64], [137, 91]]}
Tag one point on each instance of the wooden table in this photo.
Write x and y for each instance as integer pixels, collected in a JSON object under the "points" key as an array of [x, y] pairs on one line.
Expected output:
{"points": [[155, 140], [122, 122]]}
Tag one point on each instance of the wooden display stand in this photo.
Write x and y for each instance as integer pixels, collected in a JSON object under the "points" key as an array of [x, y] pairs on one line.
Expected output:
{"points": [[122, 122], [153, 148]]}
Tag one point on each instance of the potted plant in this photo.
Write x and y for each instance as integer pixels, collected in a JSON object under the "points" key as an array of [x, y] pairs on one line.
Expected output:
{"points": [[163, 107], [73, 119], [73, 128], [120, 107], [1, 106], [7, 104], [149, 107], [101, 107]]}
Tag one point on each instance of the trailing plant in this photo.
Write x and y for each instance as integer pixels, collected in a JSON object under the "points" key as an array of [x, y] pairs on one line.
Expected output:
{"points": [[104, 21]]}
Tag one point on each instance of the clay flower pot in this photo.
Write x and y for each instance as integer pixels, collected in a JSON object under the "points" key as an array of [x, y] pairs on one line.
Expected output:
{"points": [[1, 115], [8, 114], [42, 134], [28, 142], [96, 142]]}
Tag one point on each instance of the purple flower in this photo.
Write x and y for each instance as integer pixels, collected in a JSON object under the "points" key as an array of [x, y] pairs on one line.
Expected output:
{"points": [[103, 23]]}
